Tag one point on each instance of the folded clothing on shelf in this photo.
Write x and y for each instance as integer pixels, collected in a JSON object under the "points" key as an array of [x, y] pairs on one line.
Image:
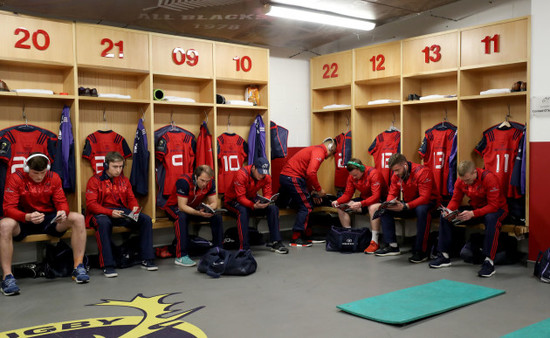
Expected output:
{"points": [[337, 106], [495, 91], [178, 99], [114, 96], [34, 91], [437, 96], [239, 102], [382, 101]]}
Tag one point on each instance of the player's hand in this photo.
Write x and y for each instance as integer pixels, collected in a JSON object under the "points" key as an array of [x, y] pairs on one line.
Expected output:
{"points": [[321, 193], [465, 215], [259, 205], [205, 214], [396, 207], [117, 213], [355, 206], [335, 204], [61, 216], [35, 217]]}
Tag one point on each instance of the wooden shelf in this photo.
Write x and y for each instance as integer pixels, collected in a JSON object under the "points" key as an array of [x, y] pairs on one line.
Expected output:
{"points": [[494, 96], [378, 106], [422, 102]]}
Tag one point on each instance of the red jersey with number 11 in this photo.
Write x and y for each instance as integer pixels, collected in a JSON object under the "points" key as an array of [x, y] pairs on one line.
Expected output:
{"points": [[499, 147]]}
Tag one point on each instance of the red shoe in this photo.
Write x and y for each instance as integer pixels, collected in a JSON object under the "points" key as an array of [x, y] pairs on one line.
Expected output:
{"points": [[373, 246]]}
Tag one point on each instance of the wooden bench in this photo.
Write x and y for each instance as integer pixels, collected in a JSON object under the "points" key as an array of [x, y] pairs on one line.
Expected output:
{"points": [[159, 224]]}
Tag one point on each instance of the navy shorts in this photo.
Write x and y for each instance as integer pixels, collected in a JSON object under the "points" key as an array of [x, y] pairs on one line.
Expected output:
{"points": [[46, 227]]}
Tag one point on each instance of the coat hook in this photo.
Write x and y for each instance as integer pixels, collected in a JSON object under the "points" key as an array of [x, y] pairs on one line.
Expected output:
{"points": [[25, 117], [205, 117], [142, 114]]}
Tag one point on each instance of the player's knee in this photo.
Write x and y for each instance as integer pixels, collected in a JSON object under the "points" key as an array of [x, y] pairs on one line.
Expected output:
{"points": [[8, 226]]}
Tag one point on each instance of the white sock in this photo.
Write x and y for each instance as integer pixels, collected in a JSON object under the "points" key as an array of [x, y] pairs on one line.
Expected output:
{"points": [[393, 245], [375, 236], [446, 255], [490, 260]]}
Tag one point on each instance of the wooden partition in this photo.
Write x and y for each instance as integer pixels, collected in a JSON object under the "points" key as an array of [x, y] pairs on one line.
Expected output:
{"points": [[449, 70], [128, 65]]}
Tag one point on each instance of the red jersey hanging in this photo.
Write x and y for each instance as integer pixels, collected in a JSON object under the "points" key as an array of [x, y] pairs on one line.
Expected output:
{"points": [[341, 156], [231, 156], [435, 152], [384, 145], [499, 147], [99, 143]]}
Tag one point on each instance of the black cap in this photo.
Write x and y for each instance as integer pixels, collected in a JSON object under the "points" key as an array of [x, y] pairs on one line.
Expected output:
{"points": [[262, 165]]}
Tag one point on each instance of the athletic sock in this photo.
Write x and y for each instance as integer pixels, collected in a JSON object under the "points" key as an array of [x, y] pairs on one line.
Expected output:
{"points": [[446, 255], [375, 236], [490, 260], [393, 245], [296, 234]]}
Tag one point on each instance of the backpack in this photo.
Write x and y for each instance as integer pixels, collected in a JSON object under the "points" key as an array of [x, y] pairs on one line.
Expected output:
{"points": [[58, 260], [218, 261], [347, 240], [542, 266]]}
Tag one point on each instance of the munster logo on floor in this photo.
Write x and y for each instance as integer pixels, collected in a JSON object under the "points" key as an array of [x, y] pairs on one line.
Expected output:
{"points": [[158, 319]]}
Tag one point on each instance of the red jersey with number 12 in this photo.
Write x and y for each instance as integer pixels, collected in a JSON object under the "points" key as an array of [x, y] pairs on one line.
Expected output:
{"points": [[231, 156], [383, 146], [99, 143]]}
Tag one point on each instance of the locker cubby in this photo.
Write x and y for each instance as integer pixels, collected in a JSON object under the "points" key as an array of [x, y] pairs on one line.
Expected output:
{"points": [[444, 83], [329, 96], [479, 115], [478, 79], [329, 124], [378, 89], [200, 90], [417, 119], [368, 124]]}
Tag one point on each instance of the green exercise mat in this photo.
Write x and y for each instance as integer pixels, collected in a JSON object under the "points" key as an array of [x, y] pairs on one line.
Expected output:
{"points": [[540, 329], [410, 304]]}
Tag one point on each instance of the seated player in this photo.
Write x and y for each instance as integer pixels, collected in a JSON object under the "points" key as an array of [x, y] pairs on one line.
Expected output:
{"points": [[34, 203], [420, 198], [241, 199], [487, 205], [184, 205], [297, 176], [109, 197], [372, 187]]}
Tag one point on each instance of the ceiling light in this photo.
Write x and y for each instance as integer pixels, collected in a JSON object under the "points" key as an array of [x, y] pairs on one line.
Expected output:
{"points": [[324, 18]]}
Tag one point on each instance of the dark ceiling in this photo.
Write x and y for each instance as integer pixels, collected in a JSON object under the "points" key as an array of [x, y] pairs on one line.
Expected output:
{"points": [[236, 21]]}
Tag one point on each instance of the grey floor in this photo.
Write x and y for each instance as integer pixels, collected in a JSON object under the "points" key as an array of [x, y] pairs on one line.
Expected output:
{"points": [[289, 295]]}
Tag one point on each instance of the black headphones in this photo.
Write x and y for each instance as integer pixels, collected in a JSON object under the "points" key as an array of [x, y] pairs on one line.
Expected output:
{"points": [[106, 165], [358, 165]]}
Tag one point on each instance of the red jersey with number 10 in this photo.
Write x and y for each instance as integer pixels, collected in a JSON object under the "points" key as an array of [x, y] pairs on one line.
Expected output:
{"points": [[231, 156], [99, 143], [383, 146]]}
